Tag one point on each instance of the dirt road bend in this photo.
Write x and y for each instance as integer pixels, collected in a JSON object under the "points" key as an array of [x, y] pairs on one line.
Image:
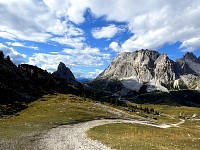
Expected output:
{"points": [[73, 137]]}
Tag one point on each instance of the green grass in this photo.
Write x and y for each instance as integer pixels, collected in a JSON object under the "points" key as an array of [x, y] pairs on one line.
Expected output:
{"points": [[48, 112], [170, 114], [140, 137]]}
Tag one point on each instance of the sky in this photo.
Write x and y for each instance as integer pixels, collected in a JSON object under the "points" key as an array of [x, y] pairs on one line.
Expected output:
{"points": [[87, 34]]}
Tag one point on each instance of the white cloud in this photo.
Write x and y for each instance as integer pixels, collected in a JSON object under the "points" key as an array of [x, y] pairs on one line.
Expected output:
{"points": [[190, 45], [71, 57], [106, 32], [15, 56], [17, 44], [74, 42], [71, 9], [26, 20], [115, 46], [86, 51], [94, 74], [7, 35], [36, 20], [153, 23]]}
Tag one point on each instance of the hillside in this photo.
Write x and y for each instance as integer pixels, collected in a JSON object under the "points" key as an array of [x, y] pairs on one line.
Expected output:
{"points": [[20, 85]]}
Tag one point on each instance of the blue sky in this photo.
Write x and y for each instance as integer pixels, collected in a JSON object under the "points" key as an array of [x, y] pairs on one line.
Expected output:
{"points": [[87, 34]]}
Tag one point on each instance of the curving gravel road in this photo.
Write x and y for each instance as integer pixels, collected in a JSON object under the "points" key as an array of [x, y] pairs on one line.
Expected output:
{"points": [[73, 137]]}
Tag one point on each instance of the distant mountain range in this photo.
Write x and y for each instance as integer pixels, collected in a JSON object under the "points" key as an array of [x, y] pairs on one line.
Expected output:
{"points": [[82, 79]]}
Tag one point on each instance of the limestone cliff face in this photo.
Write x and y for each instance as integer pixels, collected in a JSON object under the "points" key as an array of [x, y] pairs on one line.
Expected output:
{"points": [[65, 73], [164, 69], [133, 70], [138, 65]]}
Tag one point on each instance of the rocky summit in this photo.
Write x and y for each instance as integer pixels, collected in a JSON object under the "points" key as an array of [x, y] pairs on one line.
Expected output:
{"points": [[65, 73], [147, 70]]}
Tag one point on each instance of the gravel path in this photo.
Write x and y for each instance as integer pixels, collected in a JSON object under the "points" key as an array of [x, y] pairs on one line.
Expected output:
{"points": [[73, 137], [179, 123]]}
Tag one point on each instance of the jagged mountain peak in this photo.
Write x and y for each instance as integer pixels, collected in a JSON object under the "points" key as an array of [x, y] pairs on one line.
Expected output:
{"points": [[65, 73], [162, 57], [190, 56], [192, 63], [62, 66]]}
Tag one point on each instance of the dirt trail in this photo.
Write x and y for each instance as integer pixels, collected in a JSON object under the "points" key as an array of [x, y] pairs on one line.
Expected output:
{"points": [[73, 137], [179, 123]]}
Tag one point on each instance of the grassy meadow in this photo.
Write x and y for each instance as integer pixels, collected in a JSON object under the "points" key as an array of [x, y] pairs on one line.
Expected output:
{"points": [[125, 136]]}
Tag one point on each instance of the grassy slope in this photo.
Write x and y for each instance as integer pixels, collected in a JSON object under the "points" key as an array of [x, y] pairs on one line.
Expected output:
{"points": [[45, 113], [139, 137], [171, 114]]}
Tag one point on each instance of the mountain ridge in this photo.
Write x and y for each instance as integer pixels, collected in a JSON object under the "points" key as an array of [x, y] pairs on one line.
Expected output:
{"points": [[134, 70], [20, 85]]}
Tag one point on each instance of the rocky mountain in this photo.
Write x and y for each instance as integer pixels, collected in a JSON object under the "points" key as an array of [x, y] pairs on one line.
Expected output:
{"points": [[147, 71], [190, 64], [65, 73]]}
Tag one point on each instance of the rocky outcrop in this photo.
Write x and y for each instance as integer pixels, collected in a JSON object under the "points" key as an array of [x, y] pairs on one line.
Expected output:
{"points": [[147, 70], [65, 73]]}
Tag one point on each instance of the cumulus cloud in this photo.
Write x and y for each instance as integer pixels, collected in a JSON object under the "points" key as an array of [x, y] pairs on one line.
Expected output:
{"points": [[26, 20], [71, 57], [106, 32], [115, 46], [17, 44], [15, 56], [94, 74], [71, 9], [190, 45], [153, 22], [6, 35], [37, 21], [74, 42]]}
